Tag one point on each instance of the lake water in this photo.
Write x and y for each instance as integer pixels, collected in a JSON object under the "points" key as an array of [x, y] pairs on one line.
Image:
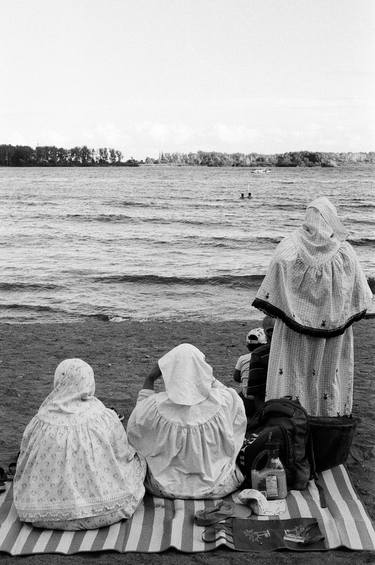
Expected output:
{"points": [[159, 241]]}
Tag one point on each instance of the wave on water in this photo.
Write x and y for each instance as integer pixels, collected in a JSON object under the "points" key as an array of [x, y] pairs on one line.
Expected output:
{"points": [[223, 241], [352, 208], [102, 217], [29, 307], [287, 207], [12, 286], [362, 241], [354, 200], [130, 203], [234, 281], [250, 282], [363, 220], [119, 218], [27, 203], [180, 220]]}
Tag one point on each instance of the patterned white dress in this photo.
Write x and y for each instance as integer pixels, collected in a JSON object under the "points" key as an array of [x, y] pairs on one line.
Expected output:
{"points": [[316, 289], [76, 469], [316, 370]]}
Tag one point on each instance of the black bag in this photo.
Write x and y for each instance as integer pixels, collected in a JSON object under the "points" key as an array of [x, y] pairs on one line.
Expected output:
{"points": [[331, 439], [288, 423]]}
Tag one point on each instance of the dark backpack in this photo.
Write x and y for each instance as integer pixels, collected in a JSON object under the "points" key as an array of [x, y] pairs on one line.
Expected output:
{"points": [[287, 422]]}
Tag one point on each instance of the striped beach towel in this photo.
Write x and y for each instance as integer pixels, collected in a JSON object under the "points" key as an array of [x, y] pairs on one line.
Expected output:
{"points": [[159, 524]]}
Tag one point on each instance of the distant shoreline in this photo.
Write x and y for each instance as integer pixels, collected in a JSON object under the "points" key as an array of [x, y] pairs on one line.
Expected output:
{"points": [[176, 165], [51, 156]]}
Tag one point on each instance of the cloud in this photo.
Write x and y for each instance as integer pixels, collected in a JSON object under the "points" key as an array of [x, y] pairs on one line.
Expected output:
{"points": [[176, 133], [183, 137], [234, 134], [258, 132], [107, 134]]}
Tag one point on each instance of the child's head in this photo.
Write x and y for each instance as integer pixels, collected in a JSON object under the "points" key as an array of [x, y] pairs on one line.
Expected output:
{"points": [[255, 338]]}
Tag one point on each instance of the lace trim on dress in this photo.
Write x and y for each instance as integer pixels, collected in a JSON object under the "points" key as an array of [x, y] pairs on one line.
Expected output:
{"points": [[31, 514]]}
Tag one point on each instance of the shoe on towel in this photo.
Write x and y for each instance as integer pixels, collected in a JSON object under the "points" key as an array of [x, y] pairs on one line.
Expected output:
{"points": [[221, 511]]}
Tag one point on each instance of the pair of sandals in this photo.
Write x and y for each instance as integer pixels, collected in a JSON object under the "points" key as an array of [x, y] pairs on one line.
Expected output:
{"points": [[309, 535], [219, 526], [215, 521]]}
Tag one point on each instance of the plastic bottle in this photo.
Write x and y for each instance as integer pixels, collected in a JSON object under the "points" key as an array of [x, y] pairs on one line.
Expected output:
{"points": [[271, 479]]}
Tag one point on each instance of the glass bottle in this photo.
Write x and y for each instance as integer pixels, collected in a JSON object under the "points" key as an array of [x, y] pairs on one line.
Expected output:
{"points": [[271, 479]]}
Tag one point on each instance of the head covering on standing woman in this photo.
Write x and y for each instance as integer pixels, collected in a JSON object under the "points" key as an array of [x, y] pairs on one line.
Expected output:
{"points": [[75, 461], [314, 282]]}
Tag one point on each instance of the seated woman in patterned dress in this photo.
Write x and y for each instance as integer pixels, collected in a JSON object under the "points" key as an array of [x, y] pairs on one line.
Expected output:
{"points": [[76, 469], [190, 434]]}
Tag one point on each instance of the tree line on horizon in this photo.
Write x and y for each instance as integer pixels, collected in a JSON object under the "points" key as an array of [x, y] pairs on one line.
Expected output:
{"points": [[51, 156], [289, 159]]}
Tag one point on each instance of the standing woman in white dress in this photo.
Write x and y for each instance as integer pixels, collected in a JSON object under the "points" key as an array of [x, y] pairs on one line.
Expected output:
{"points": [[190, 434], [316, 290], [76, 469]]}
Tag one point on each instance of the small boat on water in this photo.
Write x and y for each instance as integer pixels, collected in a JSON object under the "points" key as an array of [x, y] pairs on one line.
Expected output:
{"points": [[260, 171]]}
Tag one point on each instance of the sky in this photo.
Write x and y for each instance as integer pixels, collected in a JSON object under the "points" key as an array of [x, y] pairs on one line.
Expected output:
{"points": [[146, 76]]}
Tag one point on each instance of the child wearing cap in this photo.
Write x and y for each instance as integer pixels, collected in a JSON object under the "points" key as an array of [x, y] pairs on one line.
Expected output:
{"points": [[255, 338]]}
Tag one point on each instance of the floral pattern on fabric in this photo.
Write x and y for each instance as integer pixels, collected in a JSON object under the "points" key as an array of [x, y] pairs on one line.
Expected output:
{"points": [[75, 460]]}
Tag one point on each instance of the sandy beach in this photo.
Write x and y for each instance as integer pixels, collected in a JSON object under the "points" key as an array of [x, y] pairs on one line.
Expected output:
{"points": [[121, 355]]}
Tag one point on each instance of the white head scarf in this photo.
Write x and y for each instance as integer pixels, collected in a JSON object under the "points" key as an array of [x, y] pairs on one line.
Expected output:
{"points": [[187, 377], [73, 391], [329, 214], [315, 283], [321, 233]]}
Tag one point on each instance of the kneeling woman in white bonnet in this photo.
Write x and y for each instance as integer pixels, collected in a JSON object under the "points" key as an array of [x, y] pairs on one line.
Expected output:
{"points": [[76, 469], [190, 434]]}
